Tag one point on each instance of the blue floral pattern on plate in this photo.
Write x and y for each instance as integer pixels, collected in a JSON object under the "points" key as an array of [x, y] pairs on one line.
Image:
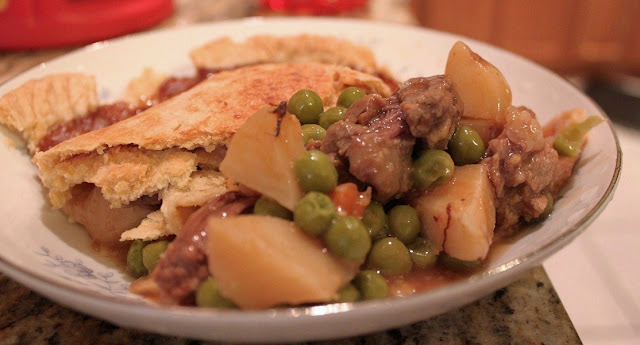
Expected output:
{"points": [[77, 272]]}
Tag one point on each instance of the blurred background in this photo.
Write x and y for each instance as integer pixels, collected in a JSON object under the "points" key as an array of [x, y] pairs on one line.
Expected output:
{"points": [[593, 43], [596, 43]]}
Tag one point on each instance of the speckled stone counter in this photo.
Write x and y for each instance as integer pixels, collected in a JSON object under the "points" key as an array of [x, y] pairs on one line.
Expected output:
{"points": [[525, 312]]}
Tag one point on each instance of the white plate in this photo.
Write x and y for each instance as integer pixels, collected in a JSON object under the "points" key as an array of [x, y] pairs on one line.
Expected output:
{"points": [[41, 250]]}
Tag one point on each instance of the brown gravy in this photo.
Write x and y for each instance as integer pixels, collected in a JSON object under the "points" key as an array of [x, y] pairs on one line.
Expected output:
{"points": [[422, 280], [419, 280], [104, 116], [115, 254]]}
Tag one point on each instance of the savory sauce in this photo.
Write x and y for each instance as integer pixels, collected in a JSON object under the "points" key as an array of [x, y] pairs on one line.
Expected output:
{"points": [[422, 280], [115, 254], [104, 116], [419, 280]]}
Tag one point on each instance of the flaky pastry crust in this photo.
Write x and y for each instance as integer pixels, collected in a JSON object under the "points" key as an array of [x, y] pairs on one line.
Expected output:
{"points": [[38, 105], [226, 53], [205, 116]]}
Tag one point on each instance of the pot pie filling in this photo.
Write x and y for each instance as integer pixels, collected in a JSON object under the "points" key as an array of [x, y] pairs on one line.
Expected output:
{"points": [[331, 184]]}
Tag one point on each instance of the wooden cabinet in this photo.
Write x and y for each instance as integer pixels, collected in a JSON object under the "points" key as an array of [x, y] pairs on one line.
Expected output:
{"points": [[570, 36]]}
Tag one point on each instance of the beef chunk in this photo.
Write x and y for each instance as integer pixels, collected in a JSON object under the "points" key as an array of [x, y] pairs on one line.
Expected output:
{"points": [[376, 138], [432, 107], [378, 154], [184, 265], [521, 168], [365, 109]]}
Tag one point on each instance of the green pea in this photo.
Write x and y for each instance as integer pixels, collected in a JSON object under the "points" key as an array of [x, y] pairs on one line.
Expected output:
{"points": [[208, 295], [404, 223], [312, 131], [371, 285], [314, 213], [466, 146], [348, 293], [432, 167], [375, 220], [134, 259], [568, 142], [422, 253], [152, 252], [331, 116], [389, 256], [315, 172], [306, 105], [347, 238], [456, 264], [269, 207], [547, 210], [349, 95]]}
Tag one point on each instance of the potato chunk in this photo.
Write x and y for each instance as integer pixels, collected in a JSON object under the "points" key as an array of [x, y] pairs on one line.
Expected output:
{"points": [[261, 262], [482, 88], [458, 217], [261, 155]]}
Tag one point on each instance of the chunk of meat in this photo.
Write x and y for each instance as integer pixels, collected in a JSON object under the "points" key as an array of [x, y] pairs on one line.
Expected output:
{"points": [[376, 138], [103, 223], [184, 265], [341, 164], [379, 154], [432, 107], [521, 166], [365, 109]]}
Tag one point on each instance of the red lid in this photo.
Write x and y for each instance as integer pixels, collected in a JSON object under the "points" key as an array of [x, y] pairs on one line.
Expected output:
{"points": [[26, 24]]}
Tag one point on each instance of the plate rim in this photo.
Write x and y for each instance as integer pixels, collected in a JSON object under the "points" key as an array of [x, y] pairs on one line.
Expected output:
{"points": [[278, 315]]}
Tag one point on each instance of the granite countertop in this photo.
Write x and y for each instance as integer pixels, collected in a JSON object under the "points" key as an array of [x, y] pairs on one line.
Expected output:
{"points": [[525, 312]]}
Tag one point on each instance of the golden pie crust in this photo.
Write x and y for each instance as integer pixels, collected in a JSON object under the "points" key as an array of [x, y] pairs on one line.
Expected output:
{"points": [[40, 104], [172, 150]]}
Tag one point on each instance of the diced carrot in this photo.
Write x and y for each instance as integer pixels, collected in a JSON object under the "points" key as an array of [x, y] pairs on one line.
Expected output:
{"points": [[349, 200]]}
